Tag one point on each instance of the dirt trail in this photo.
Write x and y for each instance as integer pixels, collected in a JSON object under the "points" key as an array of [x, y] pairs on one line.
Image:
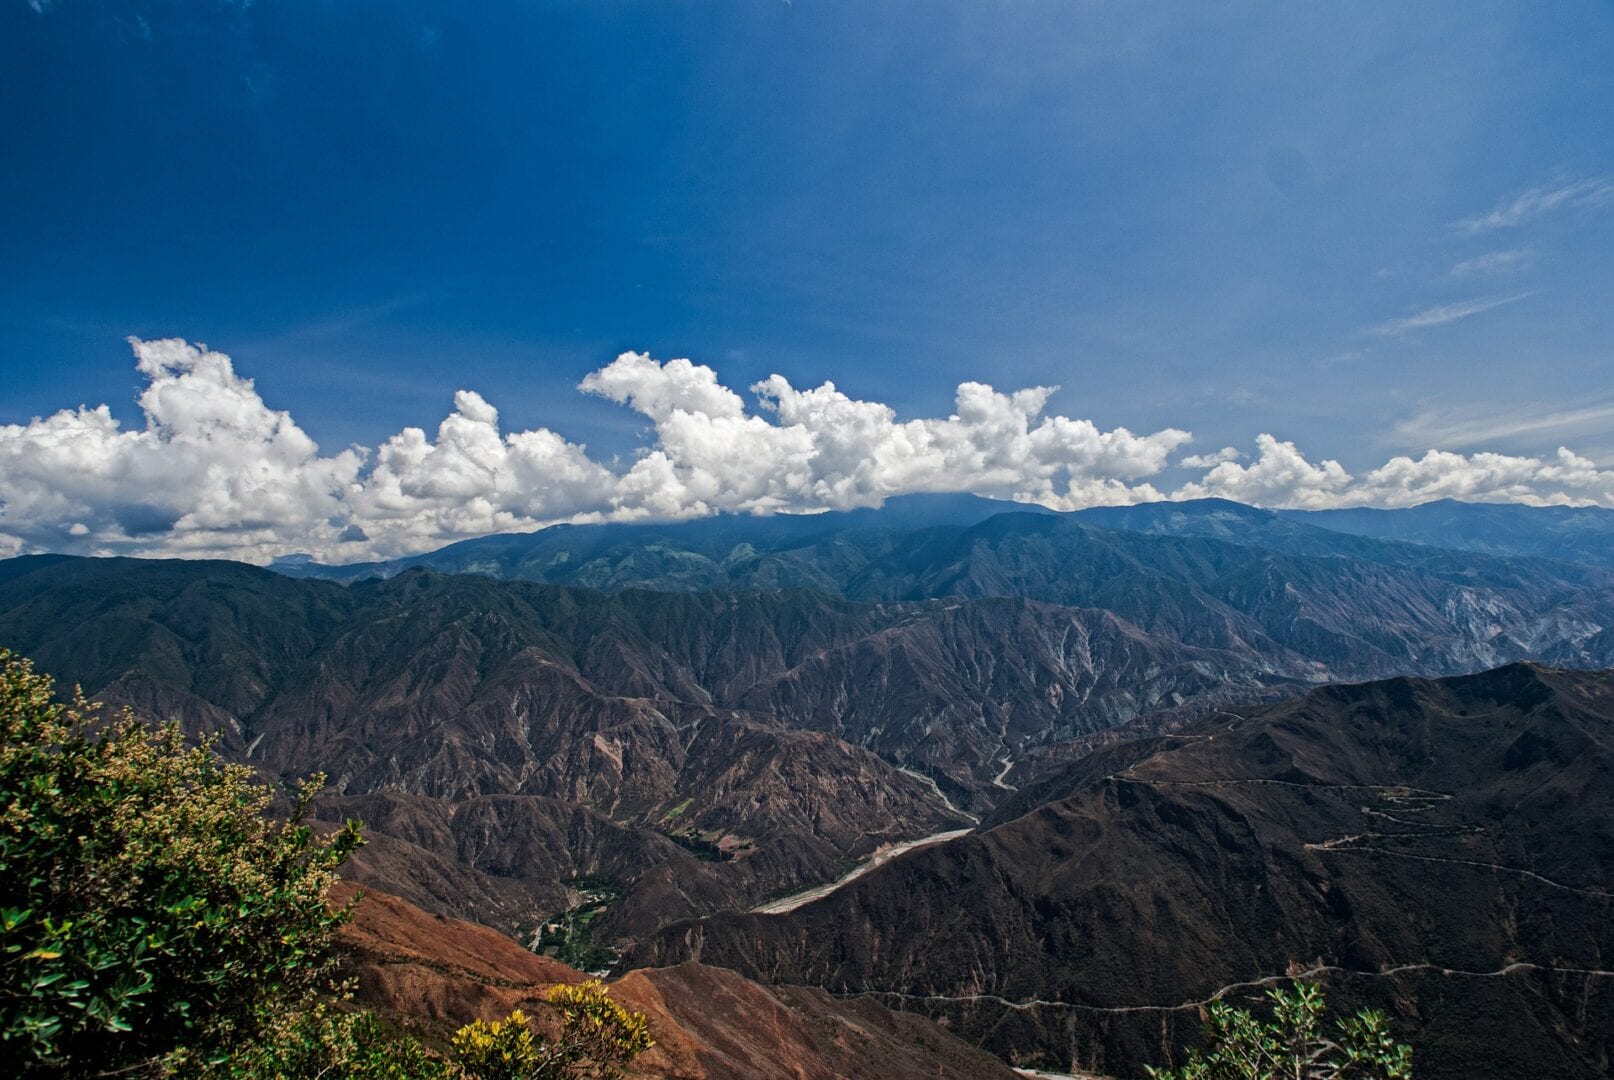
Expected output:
{"points": [[1343, 844], [1252, 984]]}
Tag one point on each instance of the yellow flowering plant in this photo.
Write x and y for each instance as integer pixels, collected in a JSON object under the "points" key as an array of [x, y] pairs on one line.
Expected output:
{"points": [[598, 1039]]}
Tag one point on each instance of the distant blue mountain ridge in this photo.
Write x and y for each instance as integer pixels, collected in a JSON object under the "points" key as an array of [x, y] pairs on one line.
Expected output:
{"points": [[1583, 535]]}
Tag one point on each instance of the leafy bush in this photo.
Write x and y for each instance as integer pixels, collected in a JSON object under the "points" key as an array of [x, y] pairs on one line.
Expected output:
{"points": [[498, 1050], [154, 914], [1291, 1045], [598, 1038], [158, 922], [321, 1041]]}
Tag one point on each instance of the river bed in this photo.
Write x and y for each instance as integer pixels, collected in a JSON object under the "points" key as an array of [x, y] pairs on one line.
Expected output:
{"points": [[879, 858]]}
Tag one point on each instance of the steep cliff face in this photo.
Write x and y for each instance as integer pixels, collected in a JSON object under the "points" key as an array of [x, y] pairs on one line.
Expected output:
{"points": [[1440, 848], [427, 700], [963, 686], [1349, 607], [974, 645]]}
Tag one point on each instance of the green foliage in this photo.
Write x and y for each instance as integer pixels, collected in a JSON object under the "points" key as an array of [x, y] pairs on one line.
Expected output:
{"points": [[154, 916], [598, 1036], [321, 1041], [1291, 1045], [598, 1039], [578, 950], [158, 922], [570, 936], [677, 811]]}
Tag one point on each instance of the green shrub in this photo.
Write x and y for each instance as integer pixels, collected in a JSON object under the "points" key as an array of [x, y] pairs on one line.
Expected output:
{"points": [[1292, 1044], [322, 1041], [154, 915]]}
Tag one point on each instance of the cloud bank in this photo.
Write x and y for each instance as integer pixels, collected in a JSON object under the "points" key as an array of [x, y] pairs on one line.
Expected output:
{"points": [[217, 472]]}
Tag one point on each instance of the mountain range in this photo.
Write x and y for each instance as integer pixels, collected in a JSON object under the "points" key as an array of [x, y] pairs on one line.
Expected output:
{"points": [[1577, 534], [1165, 730], [1300, 600]]}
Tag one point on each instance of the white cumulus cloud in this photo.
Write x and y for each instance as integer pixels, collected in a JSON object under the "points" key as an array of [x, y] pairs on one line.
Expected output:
{"points": [[1564, 478], [470, 481], [1210, 461], [1282, 476], [822, 449], [215, 471]]}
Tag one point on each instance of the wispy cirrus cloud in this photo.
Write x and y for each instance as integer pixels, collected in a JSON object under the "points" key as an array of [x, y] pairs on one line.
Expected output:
{"points": [[1510, 213], [1494, 262], [1469, 427], [1441, 314]]}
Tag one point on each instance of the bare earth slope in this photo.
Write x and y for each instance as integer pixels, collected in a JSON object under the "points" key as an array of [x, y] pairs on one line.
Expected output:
{"points": [[432, 974]]}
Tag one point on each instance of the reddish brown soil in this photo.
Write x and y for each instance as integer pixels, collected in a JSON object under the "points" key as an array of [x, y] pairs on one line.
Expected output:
{"points": [[431, 974]]}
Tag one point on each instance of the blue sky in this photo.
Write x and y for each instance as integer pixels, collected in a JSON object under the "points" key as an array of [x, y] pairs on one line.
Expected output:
{"points": [[1368, 229]]}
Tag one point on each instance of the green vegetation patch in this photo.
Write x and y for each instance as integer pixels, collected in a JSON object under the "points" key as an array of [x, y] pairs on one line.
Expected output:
{"points": [[571, 937], [676, 812]]}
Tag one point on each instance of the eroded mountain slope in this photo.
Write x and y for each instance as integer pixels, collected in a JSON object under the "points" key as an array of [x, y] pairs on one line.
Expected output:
{"points": [[432, 974], [1441, 848]]}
